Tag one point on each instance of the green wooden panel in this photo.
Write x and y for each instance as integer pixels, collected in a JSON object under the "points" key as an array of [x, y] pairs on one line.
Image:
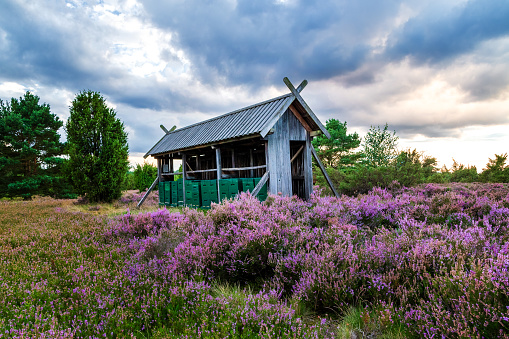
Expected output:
{"points": [[167, 192], [161, 193]]}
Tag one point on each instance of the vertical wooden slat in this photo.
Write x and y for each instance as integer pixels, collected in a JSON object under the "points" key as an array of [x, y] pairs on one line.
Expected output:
{"points": [[308, 168], [184, 176], [171, 168], [219, 172], [267, 162], [279, 158], [159, 169]]}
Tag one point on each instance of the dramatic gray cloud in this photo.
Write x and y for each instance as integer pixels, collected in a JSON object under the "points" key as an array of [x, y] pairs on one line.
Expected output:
{"points": [[436, 71], [438, 34], [260, 42]]}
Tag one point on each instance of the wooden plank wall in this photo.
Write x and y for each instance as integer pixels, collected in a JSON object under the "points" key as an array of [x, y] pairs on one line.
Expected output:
{"points": [[296, 130], [279, 158]]}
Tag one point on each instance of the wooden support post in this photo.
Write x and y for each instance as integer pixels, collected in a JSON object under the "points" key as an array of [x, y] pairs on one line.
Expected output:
{"points": [[148, 192], [267, 161], [219, 172], [308, 168], [262, 182], [171, 168], [159, 169], [329, 181], [184, 176]]}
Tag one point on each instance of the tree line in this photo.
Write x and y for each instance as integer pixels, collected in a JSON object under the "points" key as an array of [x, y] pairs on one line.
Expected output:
{"points": [[93, 162], [355, 166]]}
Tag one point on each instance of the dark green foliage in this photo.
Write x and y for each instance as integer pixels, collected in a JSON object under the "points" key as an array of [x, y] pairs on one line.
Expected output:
{"points": [[128, 181], [30, 150], [383, 166], [496, 170], [338, 150], [411, 167], [144, 176], [408, 169], [380, 146], [357, 180], [97, 146], [461, 173]]}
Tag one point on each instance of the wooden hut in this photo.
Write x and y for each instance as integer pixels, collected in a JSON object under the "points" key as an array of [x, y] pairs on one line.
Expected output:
{"points": [[265, 146]]}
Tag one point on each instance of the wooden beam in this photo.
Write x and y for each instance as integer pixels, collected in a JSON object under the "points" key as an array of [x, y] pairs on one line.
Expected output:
{"points": [[159, 169], [148, 192], [202, 171], [267, 160], [306, 107], [244, 168], [219, 172], [302, 85], [164, 129], [300, 118], [184, 176], [262, 182], [308, 168], [325, 174], [214, 144], [297, 154]]}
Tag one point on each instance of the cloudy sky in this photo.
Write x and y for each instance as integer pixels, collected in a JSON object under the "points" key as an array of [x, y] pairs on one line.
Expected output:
{"points": [[436, 71]]}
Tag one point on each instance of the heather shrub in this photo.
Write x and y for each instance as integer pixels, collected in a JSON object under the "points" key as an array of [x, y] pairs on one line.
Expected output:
{"points": [[423, 262]]}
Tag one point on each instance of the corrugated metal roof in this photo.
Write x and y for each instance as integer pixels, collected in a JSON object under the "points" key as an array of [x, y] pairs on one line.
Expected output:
{"points": [[240, 123]]}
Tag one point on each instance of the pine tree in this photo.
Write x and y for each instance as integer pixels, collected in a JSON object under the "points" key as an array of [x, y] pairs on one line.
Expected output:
{"points": [[30, 149], [338, 151]]}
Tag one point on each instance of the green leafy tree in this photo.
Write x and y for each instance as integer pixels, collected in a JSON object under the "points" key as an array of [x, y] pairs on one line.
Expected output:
{"points": [[30, 149], [338, 151], [380, 146], [496, 170], [144, 176], [97, 147], [411, 167]]}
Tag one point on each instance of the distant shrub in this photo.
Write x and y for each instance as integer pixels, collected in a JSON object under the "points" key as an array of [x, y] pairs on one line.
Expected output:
{"points": [[144, 175]]}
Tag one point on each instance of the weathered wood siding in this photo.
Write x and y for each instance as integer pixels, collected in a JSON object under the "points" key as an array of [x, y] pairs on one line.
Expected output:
{"points": [[296, 130], [280, 180]]}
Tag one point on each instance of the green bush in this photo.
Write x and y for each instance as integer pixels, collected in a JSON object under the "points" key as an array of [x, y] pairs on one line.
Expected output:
{"points": [[143, 176]]}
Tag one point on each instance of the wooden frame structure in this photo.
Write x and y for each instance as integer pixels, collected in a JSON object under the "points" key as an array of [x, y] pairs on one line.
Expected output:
{"points": [[270, 140]]}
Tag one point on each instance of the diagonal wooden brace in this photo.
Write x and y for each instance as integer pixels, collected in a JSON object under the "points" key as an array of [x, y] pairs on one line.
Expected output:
{"points": [[262, 182], [148, 192], [325, 174]]}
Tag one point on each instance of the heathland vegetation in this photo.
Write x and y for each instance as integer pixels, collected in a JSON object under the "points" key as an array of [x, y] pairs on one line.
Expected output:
{"points": [[420, 262], [408, 250]]}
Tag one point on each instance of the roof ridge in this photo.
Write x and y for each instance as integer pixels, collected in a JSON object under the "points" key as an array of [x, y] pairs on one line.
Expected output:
{"points": [[229, 113]]}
